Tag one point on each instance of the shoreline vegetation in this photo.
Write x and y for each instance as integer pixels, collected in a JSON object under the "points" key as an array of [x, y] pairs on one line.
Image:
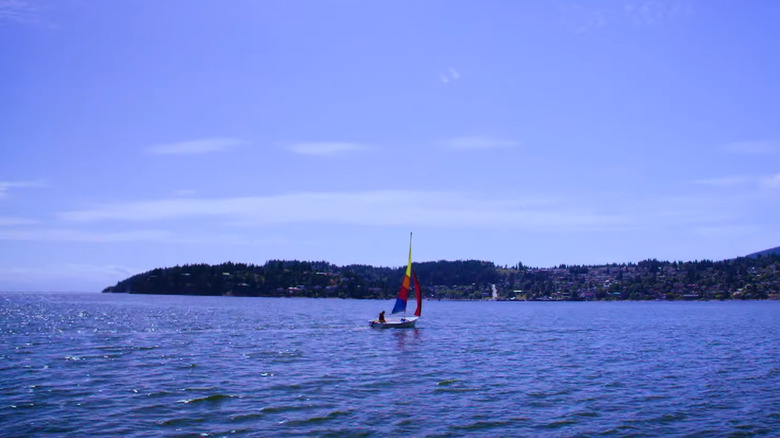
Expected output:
{"points": [[755, 277]]}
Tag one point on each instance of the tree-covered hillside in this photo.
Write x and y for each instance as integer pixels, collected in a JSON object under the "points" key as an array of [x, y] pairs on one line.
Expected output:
{"points": [[766, 252], [307, 279], [742, 278]]}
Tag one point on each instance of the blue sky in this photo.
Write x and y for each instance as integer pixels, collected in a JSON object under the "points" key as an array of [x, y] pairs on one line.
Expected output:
{"points": [[141, 134]]}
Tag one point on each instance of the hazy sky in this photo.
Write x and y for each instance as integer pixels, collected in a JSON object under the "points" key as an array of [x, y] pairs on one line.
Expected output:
{"points": [[137, 134]]}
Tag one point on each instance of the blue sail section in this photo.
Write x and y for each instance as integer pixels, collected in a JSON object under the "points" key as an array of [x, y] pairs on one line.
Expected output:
{"points": [[400, 305]]}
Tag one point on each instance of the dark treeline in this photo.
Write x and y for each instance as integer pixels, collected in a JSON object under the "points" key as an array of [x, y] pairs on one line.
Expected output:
{"points": [[278, 278], [741, 278]]}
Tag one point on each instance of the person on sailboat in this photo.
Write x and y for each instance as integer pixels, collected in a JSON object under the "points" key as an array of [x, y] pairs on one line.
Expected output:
{"points": [[382, 317]]}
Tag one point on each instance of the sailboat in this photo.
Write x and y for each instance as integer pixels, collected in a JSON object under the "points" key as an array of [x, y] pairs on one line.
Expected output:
{"points": [[400, 301]]}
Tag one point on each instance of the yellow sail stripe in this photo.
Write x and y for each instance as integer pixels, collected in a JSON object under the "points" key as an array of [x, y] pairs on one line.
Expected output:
{"points": [[409, 265]]}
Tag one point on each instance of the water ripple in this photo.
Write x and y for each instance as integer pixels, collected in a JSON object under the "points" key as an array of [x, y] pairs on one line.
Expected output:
{"points": [[137, 366]]}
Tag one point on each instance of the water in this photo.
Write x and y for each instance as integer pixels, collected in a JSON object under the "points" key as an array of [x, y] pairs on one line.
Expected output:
{"points": [[128, 365]]}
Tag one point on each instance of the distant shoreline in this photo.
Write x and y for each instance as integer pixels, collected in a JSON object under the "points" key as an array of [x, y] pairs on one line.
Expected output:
{"points": [[774, 297], [473, 280]]}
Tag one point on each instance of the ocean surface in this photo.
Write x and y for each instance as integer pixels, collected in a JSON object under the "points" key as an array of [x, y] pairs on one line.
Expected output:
{"points": [[133, 365]]}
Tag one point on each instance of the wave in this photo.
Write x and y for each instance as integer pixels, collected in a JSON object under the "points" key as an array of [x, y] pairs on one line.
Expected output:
{"points": [[214, 398]]}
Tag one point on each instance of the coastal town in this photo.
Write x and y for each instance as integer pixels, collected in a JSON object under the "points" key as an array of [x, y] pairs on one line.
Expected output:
{"points": [[647, 280]]}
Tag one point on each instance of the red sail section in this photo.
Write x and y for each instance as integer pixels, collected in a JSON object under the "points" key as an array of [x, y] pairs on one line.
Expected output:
{"points": [[418, 292]]}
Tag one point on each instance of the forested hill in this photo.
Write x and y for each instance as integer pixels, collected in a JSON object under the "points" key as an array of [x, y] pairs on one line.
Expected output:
{"points": [[766, 252], [754, 277], [302, 278]]}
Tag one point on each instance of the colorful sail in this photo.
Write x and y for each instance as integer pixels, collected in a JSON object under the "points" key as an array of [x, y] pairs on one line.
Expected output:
{"points": [[403, 294]]}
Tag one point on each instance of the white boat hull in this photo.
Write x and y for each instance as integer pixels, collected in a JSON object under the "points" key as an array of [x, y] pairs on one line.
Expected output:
{"points": [[394, 323]]}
